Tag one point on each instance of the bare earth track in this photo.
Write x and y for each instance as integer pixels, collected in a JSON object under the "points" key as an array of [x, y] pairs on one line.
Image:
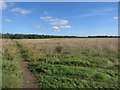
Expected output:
{"points": [[29, 80]]}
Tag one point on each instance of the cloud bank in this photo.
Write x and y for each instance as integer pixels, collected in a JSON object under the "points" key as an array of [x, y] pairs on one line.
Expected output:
{"points": [[21, 11], [8, 20], [56, 23]]}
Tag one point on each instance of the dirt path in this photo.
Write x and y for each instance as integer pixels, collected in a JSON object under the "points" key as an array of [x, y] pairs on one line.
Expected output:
{"points": [[29, 80]]}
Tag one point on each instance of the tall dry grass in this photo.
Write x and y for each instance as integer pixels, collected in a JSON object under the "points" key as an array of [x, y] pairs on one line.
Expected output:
{"points": [[75, 46]]}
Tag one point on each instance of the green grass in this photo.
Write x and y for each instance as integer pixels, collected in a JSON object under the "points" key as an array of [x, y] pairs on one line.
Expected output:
{"points": [[90, 69], [11, 67]]}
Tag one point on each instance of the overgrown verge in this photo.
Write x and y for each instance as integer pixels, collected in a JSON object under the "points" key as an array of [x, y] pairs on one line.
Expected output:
{"points": [[11, 67]]}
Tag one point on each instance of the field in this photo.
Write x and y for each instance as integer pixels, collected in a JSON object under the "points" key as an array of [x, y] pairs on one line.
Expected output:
{"points": [[62, 63]]}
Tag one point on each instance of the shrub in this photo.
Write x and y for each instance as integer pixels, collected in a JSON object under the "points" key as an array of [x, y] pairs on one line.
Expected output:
{"points": [[58, 49]]}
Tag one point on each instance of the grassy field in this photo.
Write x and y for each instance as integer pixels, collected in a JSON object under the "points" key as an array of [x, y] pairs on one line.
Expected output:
{"points": [[1, 63], [65, 63], [11, 68]]}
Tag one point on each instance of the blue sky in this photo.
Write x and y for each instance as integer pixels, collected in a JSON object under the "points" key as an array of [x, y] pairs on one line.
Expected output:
{"points": [[60, 18]]}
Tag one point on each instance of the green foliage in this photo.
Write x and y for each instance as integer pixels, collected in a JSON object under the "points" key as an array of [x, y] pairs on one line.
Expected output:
{"points": [[101, 76], [36, 36], [90, 69], [11, 68]]}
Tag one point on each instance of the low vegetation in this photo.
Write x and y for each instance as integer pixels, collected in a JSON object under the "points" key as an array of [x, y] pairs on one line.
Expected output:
{"points": [[72, 63], [11, 67]]}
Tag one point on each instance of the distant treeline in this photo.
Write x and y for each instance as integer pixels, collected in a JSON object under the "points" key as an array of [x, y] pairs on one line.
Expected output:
{"points": [[36, 36]]}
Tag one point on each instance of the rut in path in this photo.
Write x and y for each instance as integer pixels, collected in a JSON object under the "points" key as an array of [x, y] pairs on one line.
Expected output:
{"points": [[29, 80]]}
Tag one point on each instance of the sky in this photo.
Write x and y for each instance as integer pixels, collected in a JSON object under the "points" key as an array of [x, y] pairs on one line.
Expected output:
{"points": [[60, 18]]}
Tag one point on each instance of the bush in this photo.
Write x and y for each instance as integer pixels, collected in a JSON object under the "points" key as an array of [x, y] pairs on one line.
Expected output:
{"points": [[58, 49]]}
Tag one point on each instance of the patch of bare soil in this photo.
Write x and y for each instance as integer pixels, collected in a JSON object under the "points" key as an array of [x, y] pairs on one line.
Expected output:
{"points": [[29, 80]]}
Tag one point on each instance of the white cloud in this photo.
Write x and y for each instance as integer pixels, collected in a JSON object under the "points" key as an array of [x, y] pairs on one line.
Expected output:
{"points": [[46, 18], [115, 18], [66, 26], [56, 28], [3, 5], [64, 22], [8, 20], [56, 23], [21, 11]]}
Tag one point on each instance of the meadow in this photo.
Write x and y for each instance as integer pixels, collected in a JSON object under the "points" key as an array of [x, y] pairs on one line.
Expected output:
{"points": [[63, 62], [11, 67]]}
